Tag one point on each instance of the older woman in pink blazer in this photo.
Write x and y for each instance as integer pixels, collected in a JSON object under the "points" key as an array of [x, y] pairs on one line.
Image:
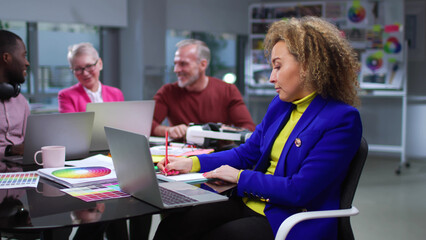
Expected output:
{"points": [[86, 65]]}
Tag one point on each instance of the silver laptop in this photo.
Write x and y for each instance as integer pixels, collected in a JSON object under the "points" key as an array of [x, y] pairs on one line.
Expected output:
{"points": [[136, 175], [133, 116], [72, 130]]}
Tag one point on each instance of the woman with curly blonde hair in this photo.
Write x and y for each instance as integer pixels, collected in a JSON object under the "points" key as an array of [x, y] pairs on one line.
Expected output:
{"points": [[298, 157], [330, 65]]}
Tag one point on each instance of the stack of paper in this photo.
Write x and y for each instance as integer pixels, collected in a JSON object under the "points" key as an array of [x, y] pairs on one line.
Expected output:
{"points": [[186, 177], [158, 152], [97, 160]]}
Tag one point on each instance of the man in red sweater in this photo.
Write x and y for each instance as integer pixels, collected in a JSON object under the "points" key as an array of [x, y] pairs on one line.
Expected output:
{"points": [[195, 97]]}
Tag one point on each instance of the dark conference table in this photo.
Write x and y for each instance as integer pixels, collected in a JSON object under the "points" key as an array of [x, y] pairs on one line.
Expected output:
{"points": [[34, 210]]}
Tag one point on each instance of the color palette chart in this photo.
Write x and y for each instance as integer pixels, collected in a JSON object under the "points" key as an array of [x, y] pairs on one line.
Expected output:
{"points": [[97, 192], [18, 180]]}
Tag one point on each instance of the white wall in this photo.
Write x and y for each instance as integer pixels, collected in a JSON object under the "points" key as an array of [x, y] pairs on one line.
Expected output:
{"points": [[416, 130], [209, 15], [131, 59], [96, 12], [142, 48], [416, 71]]}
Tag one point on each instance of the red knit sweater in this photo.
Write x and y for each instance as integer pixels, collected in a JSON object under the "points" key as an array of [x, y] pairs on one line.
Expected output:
{"points": [[218, 102]]}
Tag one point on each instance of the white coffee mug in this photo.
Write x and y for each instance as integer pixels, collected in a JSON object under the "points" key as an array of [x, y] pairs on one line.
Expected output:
{"points": [[52, 156]]}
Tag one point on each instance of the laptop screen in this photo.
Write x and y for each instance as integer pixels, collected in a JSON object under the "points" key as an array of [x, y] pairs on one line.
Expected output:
{"points": [[71, 130], [133, 116]]}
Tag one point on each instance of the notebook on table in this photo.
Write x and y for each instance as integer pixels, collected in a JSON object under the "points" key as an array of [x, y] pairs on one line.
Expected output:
{"points": [[133, 116], [72, 130], [136, 175]]}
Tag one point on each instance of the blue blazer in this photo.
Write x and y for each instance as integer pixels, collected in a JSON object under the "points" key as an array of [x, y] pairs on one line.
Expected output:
{"points": [[311, 168]]}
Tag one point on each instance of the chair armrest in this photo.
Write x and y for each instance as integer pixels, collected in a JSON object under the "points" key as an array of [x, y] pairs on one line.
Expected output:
{"points": [[294, 219]]}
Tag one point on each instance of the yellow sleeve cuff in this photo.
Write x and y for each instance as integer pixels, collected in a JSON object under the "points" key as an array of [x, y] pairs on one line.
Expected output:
{"points": [[238, 178], [196, 167]]}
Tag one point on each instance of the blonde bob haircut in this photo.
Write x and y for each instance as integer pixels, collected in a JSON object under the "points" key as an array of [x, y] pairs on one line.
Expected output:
{"points": [[329, 63]]}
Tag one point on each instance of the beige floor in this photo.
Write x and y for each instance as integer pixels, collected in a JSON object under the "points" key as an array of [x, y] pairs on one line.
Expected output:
{"points": [[391, 206]]}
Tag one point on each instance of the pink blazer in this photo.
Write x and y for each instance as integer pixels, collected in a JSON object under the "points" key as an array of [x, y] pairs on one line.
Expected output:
{"points": [[74, 98]]}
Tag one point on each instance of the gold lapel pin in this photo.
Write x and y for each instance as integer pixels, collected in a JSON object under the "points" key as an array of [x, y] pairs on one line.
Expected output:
{"points": [[298, 142]]}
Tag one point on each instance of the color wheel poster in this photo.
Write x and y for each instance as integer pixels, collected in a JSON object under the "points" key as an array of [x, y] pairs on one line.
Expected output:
{"points": [[392, 45], [373, 69], [356, 13]]}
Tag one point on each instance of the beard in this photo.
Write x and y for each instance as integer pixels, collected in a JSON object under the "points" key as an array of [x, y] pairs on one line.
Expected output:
{"points": [[190, 81], [15, 77]]}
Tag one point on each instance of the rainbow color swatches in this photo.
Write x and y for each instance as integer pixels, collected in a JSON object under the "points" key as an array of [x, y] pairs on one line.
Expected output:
{"points": [[97, 192], [82, 172], [18, 179]]}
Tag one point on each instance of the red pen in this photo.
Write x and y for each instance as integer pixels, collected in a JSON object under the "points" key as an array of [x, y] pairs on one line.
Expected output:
{"points": [[167, 155], [166, 160]]}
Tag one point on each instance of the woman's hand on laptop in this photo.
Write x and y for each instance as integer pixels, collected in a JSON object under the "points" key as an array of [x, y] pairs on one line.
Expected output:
{"points": [[175, 165]]}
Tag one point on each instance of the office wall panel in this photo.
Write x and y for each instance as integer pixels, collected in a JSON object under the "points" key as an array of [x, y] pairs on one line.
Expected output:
{"points": [[96, 12], [208, 16]]}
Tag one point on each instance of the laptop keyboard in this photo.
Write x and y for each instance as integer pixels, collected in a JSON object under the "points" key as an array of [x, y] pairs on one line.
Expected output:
{"points": [[172, 198]]}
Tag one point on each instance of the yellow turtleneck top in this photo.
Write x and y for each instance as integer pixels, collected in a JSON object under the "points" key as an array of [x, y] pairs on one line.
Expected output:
{"points": [[277, 148], [301, 105]]}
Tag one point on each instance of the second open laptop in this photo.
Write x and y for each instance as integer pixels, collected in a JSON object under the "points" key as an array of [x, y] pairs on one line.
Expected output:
{"points": [[72, 130], [133, 116], [136, 175]]}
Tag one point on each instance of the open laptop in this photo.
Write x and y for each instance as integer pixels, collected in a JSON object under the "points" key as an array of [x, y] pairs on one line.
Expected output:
{"points": [[136, 175], [133, 116], [72, 130]]}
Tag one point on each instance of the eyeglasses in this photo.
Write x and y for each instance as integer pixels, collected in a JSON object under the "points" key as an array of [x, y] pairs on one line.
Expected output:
{"points": [[88, 68]]}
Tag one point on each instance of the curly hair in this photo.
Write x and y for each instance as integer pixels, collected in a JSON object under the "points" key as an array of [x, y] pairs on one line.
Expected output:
{"points": [[329, 63]]}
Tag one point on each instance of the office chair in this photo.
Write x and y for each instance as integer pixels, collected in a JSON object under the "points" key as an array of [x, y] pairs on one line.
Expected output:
{"points": [[346, 210]]}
